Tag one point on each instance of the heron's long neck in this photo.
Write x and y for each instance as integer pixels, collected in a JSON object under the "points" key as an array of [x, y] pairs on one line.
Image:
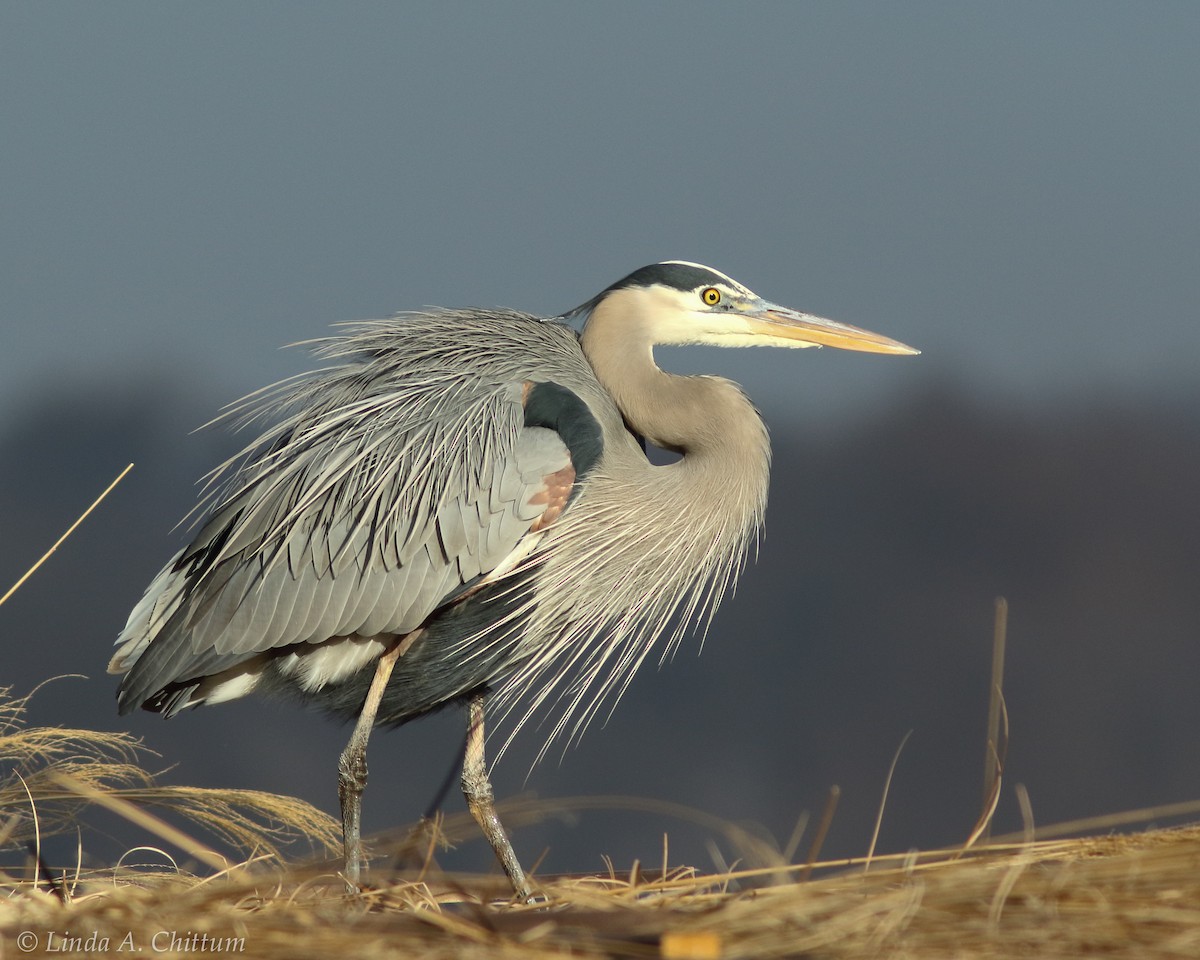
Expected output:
{"points": [[708, 420]]}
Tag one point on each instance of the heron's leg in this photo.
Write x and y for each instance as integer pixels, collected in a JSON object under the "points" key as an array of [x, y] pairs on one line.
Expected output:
{"points": [[352, 765], [481, 800]]}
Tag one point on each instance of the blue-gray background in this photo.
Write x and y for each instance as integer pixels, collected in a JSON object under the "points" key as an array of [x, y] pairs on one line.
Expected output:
{"points": [[1012, 188]]}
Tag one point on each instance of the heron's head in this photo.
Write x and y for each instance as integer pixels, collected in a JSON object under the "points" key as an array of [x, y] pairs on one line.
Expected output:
{"points": [[677, 302]]}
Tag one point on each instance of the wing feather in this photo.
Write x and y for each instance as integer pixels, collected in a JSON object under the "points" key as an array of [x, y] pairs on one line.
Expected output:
{"points": [[368, 589], [401, 476]]}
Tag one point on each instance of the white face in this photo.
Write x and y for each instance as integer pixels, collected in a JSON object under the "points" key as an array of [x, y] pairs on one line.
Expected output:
{"points": [[721, 312]]}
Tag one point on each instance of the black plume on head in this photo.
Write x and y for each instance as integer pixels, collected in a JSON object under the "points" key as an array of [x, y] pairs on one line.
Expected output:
{"points": [[681, 276]]}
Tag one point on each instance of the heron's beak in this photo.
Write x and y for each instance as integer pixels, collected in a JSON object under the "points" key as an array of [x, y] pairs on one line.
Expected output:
{"points": [[771, 320]]}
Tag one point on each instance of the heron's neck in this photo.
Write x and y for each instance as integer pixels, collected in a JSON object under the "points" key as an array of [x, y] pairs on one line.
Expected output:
{"points": [[707, 419]]}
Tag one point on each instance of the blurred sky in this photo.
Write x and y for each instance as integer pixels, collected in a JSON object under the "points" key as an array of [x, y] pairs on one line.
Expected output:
{"points": [[1011, 187]]}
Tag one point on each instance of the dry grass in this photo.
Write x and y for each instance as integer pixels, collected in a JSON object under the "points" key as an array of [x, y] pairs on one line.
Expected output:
{"points": [[1135, 896], [49, 775], [1132, 896]]}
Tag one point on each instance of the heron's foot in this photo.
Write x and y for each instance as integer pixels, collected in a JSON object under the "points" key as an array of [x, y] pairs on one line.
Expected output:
{"points": [[477, 788], [483, 809], [352, 765], [352, 780]]}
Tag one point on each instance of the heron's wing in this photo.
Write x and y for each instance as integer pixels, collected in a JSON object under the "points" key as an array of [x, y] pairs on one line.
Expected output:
{"points": [[351, 525]]}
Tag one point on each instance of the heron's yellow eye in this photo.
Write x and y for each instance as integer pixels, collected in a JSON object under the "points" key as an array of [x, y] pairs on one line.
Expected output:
{"points": [[711, 296]]}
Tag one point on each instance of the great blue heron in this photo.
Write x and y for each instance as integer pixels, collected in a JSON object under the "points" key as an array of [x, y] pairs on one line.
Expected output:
{"points": [[462, 503]]}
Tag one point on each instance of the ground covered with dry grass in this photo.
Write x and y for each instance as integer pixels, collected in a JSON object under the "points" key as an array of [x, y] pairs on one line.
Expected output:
{"points": [[1133, 895]]}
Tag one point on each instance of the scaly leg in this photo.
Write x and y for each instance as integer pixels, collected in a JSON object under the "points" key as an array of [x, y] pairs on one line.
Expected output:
{"points": [[477, 788], [352, 765]]}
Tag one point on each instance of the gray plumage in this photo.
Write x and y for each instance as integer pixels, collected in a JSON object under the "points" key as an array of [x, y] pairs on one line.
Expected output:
{"points": [[472, 484]]}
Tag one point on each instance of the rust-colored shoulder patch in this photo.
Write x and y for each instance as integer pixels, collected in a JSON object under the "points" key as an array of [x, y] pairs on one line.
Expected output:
{"points": [[556, 489]]}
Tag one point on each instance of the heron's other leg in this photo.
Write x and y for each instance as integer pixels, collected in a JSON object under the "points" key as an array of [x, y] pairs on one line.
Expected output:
{"points": [[481, 799], [352, 765]]}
